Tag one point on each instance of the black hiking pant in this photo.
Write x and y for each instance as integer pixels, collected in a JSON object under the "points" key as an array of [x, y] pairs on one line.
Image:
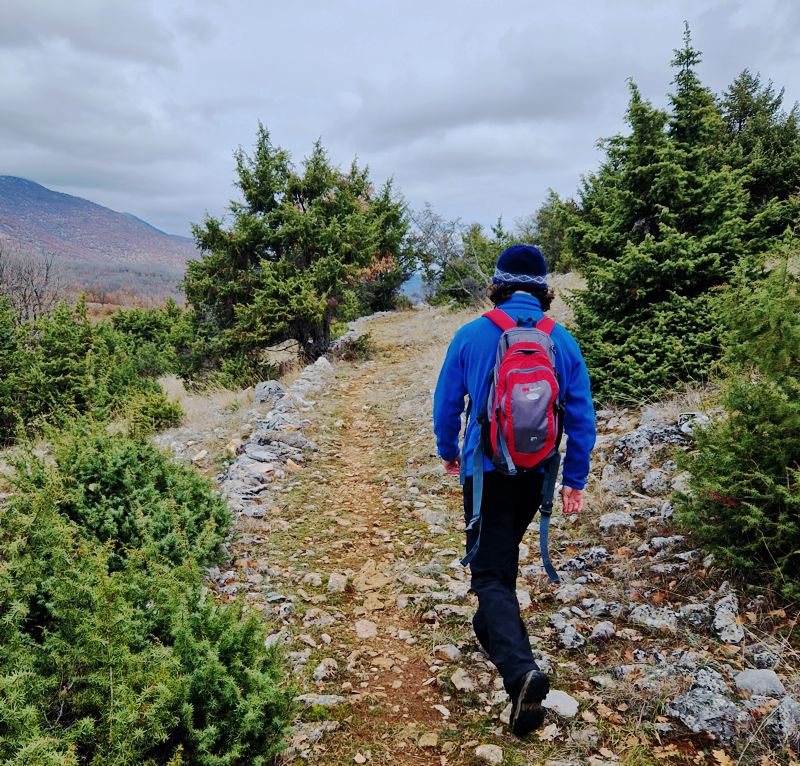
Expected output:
{"points": [[508, 506]]}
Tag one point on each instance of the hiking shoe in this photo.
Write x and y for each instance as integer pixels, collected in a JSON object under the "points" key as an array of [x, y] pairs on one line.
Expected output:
{"points": [[527, 713]]}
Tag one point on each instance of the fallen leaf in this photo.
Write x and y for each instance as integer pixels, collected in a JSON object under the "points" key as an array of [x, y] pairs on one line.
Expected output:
{"points": [[632, 741], [667, 751], [549, 733], [607, 713], [722, 758], [606, 753], [588, 716]]}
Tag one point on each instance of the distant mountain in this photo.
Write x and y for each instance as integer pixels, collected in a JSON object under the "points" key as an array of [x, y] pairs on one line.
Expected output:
{"points": [[113, 256]]}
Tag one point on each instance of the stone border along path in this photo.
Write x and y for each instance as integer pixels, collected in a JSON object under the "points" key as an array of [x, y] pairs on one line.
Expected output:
{"points": [[347, 539]]}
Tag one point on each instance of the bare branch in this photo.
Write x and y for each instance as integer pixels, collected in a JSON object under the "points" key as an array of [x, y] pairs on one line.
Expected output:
{"points": [[32, 283]]}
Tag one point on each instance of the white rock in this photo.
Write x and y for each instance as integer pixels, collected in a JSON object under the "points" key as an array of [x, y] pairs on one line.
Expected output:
{"points": [[447, 652], [659, 619], [785, 719], [321, 700], [705, 711], [326, 669], [762, 681], [489, 754], [366, 629], [616, 520], [318, 618], [561, 703], [429, 739], [726, 624], [603, 631], [523, 598], [337, 583], [613, 482], [570, 592], [462, 681]]}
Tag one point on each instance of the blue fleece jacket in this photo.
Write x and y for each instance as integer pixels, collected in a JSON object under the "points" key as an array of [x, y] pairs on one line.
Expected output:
{"points": [[466, 369]]}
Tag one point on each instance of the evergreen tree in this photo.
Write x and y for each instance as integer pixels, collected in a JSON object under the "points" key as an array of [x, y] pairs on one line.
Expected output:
{"points": [[764, 140], [546, 228], [745, 487], [292, 260], [660, 225], [59, 379], [10, 364]]}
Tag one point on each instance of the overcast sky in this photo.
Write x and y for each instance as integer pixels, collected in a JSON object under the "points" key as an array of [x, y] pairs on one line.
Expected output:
{"points": [[475, 107]]}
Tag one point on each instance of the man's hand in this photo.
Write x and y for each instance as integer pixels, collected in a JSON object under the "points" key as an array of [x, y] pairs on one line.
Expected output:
{"points": [[572, 500], [453, 466]]}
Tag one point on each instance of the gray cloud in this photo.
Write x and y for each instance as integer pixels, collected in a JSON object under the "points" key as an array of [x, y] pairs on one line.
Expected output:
{"points": [[476, 108]]}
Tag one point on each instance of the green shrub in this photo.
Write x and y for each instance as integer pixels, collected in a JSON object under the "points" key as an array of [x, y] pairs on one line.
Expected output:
{"points": [[402, 303], [100, 666], [63, 365], [745, 488], [149, 411], [11, 358], [242, 370], [127, 494], [359, 349], [111, 650]]}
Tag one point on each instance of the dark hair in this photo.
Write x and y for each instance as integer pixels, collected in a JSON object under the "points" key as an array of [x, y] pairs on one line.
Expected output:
{"points": [[499, 292]]}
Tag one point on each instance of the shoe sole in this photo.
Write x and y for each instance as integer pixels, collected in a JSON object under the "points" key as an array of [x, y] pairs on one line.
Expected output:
{"points": [[534, 690]]}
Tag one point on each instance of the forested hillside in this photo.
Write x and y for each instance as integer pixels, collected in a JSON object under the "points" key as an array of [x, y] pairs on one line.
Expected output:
{"points": [[110, 256]]}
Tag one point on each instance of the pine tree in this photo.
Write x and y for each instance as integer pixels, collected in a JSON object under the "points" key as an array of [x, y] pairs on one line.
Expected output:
{"points": [[764, 140], [660, 225], [745, 488], [546, 228], [10, 365], [299, 245], [59, 379]]}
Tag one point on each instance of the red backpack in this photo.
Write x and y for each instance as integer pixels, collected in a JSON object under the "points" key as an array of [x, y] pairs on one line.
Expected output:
{"points": [[522, 421], [522, 425]]}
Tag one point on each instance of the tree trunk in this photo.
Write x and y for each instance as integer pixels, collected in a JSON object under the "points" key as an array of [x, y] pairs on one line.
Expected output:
{"points": [[316, 341]]}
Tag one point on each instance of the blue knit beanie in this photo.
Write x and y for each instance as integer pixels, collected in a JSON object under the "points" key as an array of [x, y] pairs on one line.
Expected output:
{"points": [[521, 265]]}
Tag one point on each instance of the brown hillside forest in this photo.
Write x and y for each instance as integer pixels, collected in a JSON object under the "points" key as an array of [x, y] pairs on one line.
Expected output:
{"points": [[226, 538]]}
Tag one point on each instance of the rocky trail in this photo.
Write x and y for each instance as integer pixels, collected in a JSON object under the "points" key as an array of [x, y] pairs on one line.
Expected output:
{"points": [[347, 540]]}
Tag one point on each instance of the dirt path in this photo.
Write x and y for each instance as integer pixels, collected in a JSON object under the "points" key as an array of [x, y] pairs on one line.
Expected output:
{"points": [[359, 511]]}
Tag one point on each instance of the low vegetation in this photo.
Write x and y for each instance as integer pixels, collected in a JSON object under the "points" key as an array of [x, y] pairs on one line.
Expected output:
{"points": [[110, 648], [745, 489]]}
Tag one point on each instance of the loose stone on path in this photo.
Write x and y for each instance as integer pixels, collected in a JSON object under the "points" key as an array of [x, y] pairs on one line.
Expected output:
{"points": [[491, 754], [366, 629]]}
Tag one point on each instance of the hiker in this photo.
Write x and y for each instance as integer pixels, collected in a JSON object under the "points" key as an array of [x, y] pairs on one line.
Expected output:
{"points": [[509, 494]]}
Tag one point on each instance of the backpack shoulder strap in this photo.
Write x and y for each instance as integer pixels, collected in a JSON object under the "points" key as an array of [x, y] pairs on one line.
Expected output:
{"points": [[546, 325], [501, 319]]}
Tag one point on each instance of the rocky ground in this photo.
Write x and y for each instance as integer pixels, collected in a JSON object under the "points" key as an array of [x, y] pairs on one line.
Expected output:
{"points": [[347, 540]]}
